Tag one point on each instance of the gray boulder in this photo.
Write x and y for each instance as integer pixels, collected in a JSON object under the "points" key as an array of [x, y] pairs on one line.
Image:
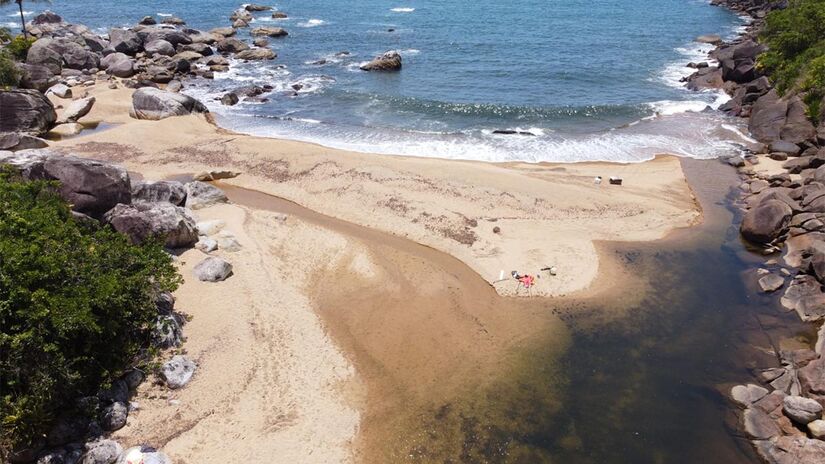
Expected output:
{"points": [[804, 295], [269, 31], [37, 77], [160, 47], [768, 117], [178, 371], [125, 41], [765, 222], [147, 21], [783, 146], [213, 269], [161, 191], [26, 111], [15, 141], [41, 53], [812, 377], [389, 61], [231, 45], [771, 283], [256, 54], [173, 36], [200, 195], [155, 104], [60, 91], [800, 409], [141, 221], [114, 416], [77, 109], [798, 128], [47, 17], [759, 425], [168, 332], [122, 68], [91, 187], [746, 395], [101, 452], [201, 49], [112, 58]]}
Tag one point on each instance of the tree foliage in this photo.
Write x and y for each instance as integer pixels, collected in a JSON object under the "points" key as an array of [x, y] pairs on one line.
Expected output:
{"points": [[795, 59], [76, 305]]}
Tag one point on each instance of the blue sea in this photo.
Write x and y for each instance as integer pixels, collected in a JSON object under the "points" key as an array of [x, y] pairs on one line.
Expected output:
{"points": [[590, 79]]}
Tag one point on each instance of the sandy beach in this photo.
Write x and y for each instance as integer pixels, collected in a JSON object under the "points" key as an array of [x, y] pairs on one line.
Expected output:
{"points": [[366, 287]]}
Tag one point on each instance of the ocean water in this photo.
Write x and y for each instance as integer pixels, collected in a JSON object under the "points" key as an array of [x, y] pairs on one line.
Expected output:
{"points": [[590, 79]]}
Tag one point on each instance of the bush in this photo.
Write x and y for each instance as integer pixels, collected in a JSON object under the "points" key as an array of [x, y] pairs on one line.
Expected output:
{"points": [[795, 59], [9, 74], [19, 47], [76, 306], [5, 34]]}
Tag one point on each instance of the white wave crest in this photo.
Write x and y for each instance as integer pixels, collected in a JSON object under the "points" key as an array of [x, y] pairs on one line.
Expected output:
{"points": [[402, 9], [312, 23], [165, 15]]}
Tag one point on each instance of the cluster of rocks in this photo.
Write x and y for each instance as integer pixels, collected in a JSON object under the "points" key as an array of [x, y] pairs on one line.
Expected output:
{"points": [[104, 192], [784, 211]]}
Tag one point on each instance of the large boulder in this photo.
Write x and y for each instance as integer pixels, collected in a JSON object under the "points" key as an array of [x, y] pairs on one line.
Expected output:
{"points": [[801, 410], [47, 17], [269, 31], [161, 191], [114, 416], [798, 128], [804, 295], [389, 61], [101, 452], [768, 117], [74, 55], [141, 221], [122, 68], [90, 186], [213, 269], [705, 78], [812, 377], [765, 222], [113, 58], [168, 332], [77, 109], [156, 104], [178, 371], [256, 54], [37, 77], [201, 195], [15, 141], [241, 14], [231, 45], [27, 111], [791, 450], [173, 36], [125, 41], [159, 47], [41, 53]]}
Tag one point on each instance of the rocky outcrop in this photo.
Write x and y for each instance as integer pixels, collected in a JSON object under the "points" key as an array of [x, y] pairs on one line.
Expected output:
{"points": [[389, 61], [155, 104], [26, 111], [141, 221]]}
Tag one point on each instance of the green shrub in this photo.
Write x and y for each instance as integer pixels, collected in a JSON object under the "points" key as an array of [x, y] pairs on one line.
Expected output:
{"points": [[19, 47], [5, 34], [76, 306], [9, 74]]}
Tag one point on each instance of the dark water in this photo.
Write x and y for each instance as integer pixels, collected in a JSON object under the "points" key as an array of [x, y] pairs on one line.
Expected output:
{"points": [[592, 80], [644, 383]]}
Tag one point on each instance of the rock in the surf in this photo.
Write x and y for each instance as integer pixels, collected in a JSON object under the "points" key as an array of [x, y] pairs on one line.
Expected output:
{"points": [[389, 61]]}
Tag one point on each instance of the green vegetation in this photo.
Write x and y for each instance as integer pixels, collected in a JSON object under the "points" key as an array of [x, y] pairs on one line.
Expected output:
{"points": [[19, 47], [76, 306], [795, 60], [9, 74]]}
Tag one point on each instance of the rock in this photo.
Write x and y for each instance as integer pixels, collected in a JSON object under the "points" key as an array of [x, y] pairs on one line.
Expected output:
{"points": [[228, 243], [229, 99], [801, 410], [216, 175], [260, 42], [256, 54], [771, 283], [101, 452], [241, 14], [41, 53], [175, 21], [178, 371], [144, 455], [389, 61], [766, 221], [759, 425], [47, 17], [26, 111], [768, 116], [213, 269], [746, 395], [67, 429], [160, 47], [76, 110], [231, 45], [114, 417], [167, 333], [812, 377], [60, 90], [91, 187], [206, 245], [121, 68], [112, 58], [125, 41], [141, 221], [269, 31], [792, 450], [15, 141], [211, 227], [161, 191], [175, 37], [240, 23], [199, 48], [706, 78], [713, 39], [784, 146], [155, 104], [200, 195], [73, 55], [147, 21], [254, 7], [133, 378], [52, 457], [817, 428], [798, 128], [174, 86], [223, 31], [206, 38], [804, 295], [159, 74], [36, 77]]}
